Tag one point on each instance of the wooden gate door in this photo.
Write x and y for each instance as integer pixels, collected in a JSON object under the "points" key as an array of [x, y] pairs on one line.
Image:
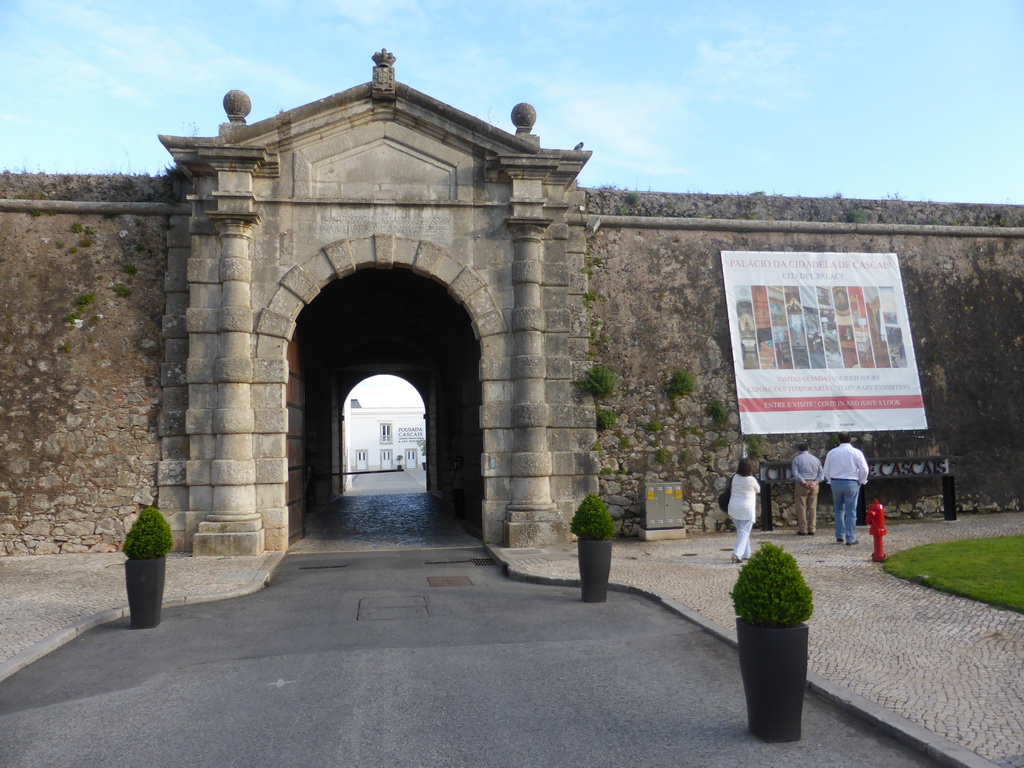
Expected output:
{"points": [[297, 470]]}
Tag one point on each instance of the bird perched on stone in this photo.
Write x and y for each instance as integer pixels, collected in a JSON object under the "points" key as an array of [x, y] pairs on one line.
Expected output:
{"points": [[578, 147]]}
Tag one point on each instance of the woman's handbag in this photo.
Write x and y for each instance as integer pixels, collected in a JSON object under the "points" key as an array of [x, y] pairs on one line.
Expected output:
{"points": [[724, 496]]}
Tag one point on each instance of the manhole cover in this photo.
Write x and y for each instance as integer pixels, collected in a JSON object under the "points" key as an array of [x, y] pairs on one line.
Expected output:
{"points": [[383, 608], [449, 581]]}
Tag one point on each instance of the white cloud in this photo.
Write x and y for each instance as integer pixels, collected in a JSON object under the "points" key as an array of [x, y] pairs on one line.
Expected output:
{"points": [[755, 65]]}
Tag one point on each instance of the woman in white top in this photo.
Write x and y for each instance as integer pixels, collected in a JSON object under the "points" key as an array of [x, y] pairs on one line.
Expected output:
{"points": [[743, 507]]}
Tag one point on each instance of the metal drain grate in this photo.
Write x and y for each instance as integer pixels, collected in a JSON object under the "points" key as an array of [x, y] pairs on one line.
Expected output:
{"points": [[474, 561], [320, 567], [449, 581]]}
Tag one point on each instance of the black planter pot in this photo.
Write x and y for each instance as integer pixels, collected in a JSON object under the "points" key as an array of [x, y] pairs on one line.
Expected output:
{"points": [[773, 664], [595, 564], [144, 580]]}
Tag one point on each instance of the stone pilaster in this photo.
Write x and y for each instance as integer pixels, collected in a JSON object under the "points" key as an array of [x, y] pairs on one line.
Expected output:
{"points": [[222, 421], [232, 526], [531, 516]]}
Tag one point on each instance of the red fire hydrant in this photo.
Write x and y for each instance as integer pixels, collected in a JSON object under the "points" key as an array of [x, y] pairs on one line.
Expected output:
{"points": [[876, 519]]}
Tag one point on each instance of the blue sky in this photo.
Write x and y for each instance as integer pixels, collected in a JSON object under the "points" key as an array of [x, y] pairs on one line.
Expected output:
{"points": [[921, 100]]}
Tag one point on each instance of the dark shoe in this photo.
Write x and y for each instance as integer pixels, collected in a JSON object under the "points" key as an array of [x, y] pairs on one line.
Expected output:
{"points": [[810, 533], [801, 533], [851, 543], [839, 541], [736, 559]]}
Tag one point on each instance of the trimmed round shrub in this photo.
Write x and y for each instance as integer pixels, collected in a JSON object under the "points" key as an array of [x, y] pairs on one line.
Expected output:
{"points": [[770, 590], [592, 521], [149, 537]]}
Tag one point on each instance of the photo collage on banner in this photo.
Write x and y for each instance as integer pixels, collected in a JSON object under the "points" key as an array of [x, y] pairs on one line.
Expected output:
{"points": [[821, 342]]}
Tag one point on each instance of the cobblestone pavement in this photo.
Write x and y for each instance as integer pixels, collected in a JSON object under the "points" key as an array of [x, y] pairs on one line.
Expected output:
{"points": [[384, 512], [46, 600], [950, 664]]}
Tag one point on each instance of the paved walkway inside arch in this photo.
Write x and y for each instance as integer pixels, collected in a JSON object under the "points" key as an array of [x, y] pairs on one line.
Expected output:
{"points": [[384, 511]]}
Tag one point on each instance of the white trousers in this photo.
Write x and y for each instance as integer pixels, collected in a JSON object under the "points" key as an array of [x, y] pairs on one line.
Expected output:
{"points": [[743, 528]]}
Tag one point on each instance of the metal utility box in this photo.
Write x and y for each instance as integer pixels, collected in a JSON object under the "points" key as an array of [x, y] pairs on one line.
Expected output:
{"points": [[663, 505]]}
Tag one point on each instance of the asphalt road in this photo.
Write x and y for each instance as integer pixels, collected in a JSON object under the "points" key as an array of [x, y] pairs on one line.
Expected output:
{"points": [[412, 658]]}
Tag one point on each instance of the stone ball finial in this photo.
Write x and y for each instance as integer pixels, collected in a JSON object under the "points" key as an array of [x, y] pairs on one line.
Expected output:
{"points": [[523, 117], [237, 105]]}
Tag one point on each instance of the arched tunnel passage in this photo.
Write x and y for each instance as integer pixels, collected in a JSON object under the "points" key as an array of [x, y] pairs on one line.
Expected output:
{"points": [[387, 322]]}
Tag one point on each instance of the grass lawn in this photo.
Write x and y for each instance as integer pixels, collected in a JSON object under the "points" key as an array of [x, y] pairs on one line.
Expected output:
{"points": [[989, 570]]}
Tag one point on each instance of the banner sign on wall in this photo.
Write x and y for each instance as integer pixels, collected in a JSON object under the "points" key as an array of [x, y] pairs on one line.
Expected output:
{"points": [[821, 342]]}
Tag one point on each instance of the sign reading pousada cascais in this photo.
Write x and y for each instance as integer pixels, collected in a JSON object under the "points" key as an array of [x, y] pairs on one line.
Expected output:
{"points": [[821, 342], [408, 434]]}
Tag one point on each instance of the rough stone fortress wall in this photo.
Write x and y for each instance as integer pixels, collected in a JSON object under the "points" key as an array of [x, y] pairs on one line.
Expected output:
{"points": [[658, 306], [82, 265], [84, 331]]}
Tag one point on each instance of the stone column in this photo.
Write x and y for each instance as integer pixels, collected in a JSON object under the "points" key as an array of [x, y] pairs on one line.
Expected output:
{"points": [[232, 525], [531, 513]]}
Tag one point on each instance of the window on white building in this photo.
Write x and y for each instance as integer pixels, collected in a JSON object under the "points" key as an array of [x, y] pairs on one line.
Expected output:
{"points": [[385, 433]]}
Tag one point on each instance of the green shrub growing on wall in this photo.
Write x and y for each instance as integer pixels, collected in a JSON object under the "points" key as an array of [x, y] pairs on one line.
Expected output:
{"points": [[661, 456], [606, 418], [681, 384], [718, 411], [755, 446], [600, 381]]}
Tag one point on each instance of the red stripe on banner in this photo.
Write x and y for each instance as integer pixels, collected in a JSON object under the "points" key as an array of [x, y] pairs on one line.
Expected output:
{"points": [[782, 404]]}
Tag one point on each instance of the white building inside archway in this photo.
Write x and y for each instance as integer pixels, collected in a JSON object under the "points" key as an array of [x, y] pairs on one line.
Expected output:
{"points": [[383, 438]]}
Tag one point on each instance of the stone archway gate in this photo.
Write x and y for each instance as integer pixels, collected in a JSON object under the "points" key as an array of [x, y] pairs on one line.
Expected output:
{"points": [[376, 177]]}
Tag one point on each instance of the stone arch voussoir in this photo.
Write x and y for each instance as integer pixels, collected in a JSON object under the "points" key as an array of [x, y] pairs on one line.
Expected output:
{"points": [[301, 284]]}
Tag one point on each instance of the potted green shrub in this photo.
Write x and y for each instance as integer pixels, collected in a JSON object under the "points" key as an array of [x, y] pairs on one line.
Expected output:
{"points": [[146, 546], [772, 602], [594, 528]]}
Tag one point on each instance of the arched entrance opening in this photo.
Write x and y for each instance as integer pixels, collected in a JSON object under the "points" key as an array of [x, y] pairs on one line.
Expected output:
{"points": [[395, 322]]}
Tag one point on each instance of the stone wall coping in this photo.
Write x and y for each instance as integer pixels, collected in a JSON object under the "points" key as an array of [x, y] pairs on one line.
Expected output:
{"points": [[83, 206], [593, 222]]}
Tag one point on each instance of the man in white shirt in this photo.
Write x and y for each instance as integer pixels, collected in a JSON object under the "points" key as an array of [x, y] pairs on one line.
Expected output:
{"points": [[845, 470]]}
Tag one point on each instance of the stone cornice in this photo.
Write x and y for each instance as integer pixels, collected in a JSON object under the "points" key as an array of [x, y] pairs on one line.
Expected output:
{"points": [[97, 207], [791, 227]]}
